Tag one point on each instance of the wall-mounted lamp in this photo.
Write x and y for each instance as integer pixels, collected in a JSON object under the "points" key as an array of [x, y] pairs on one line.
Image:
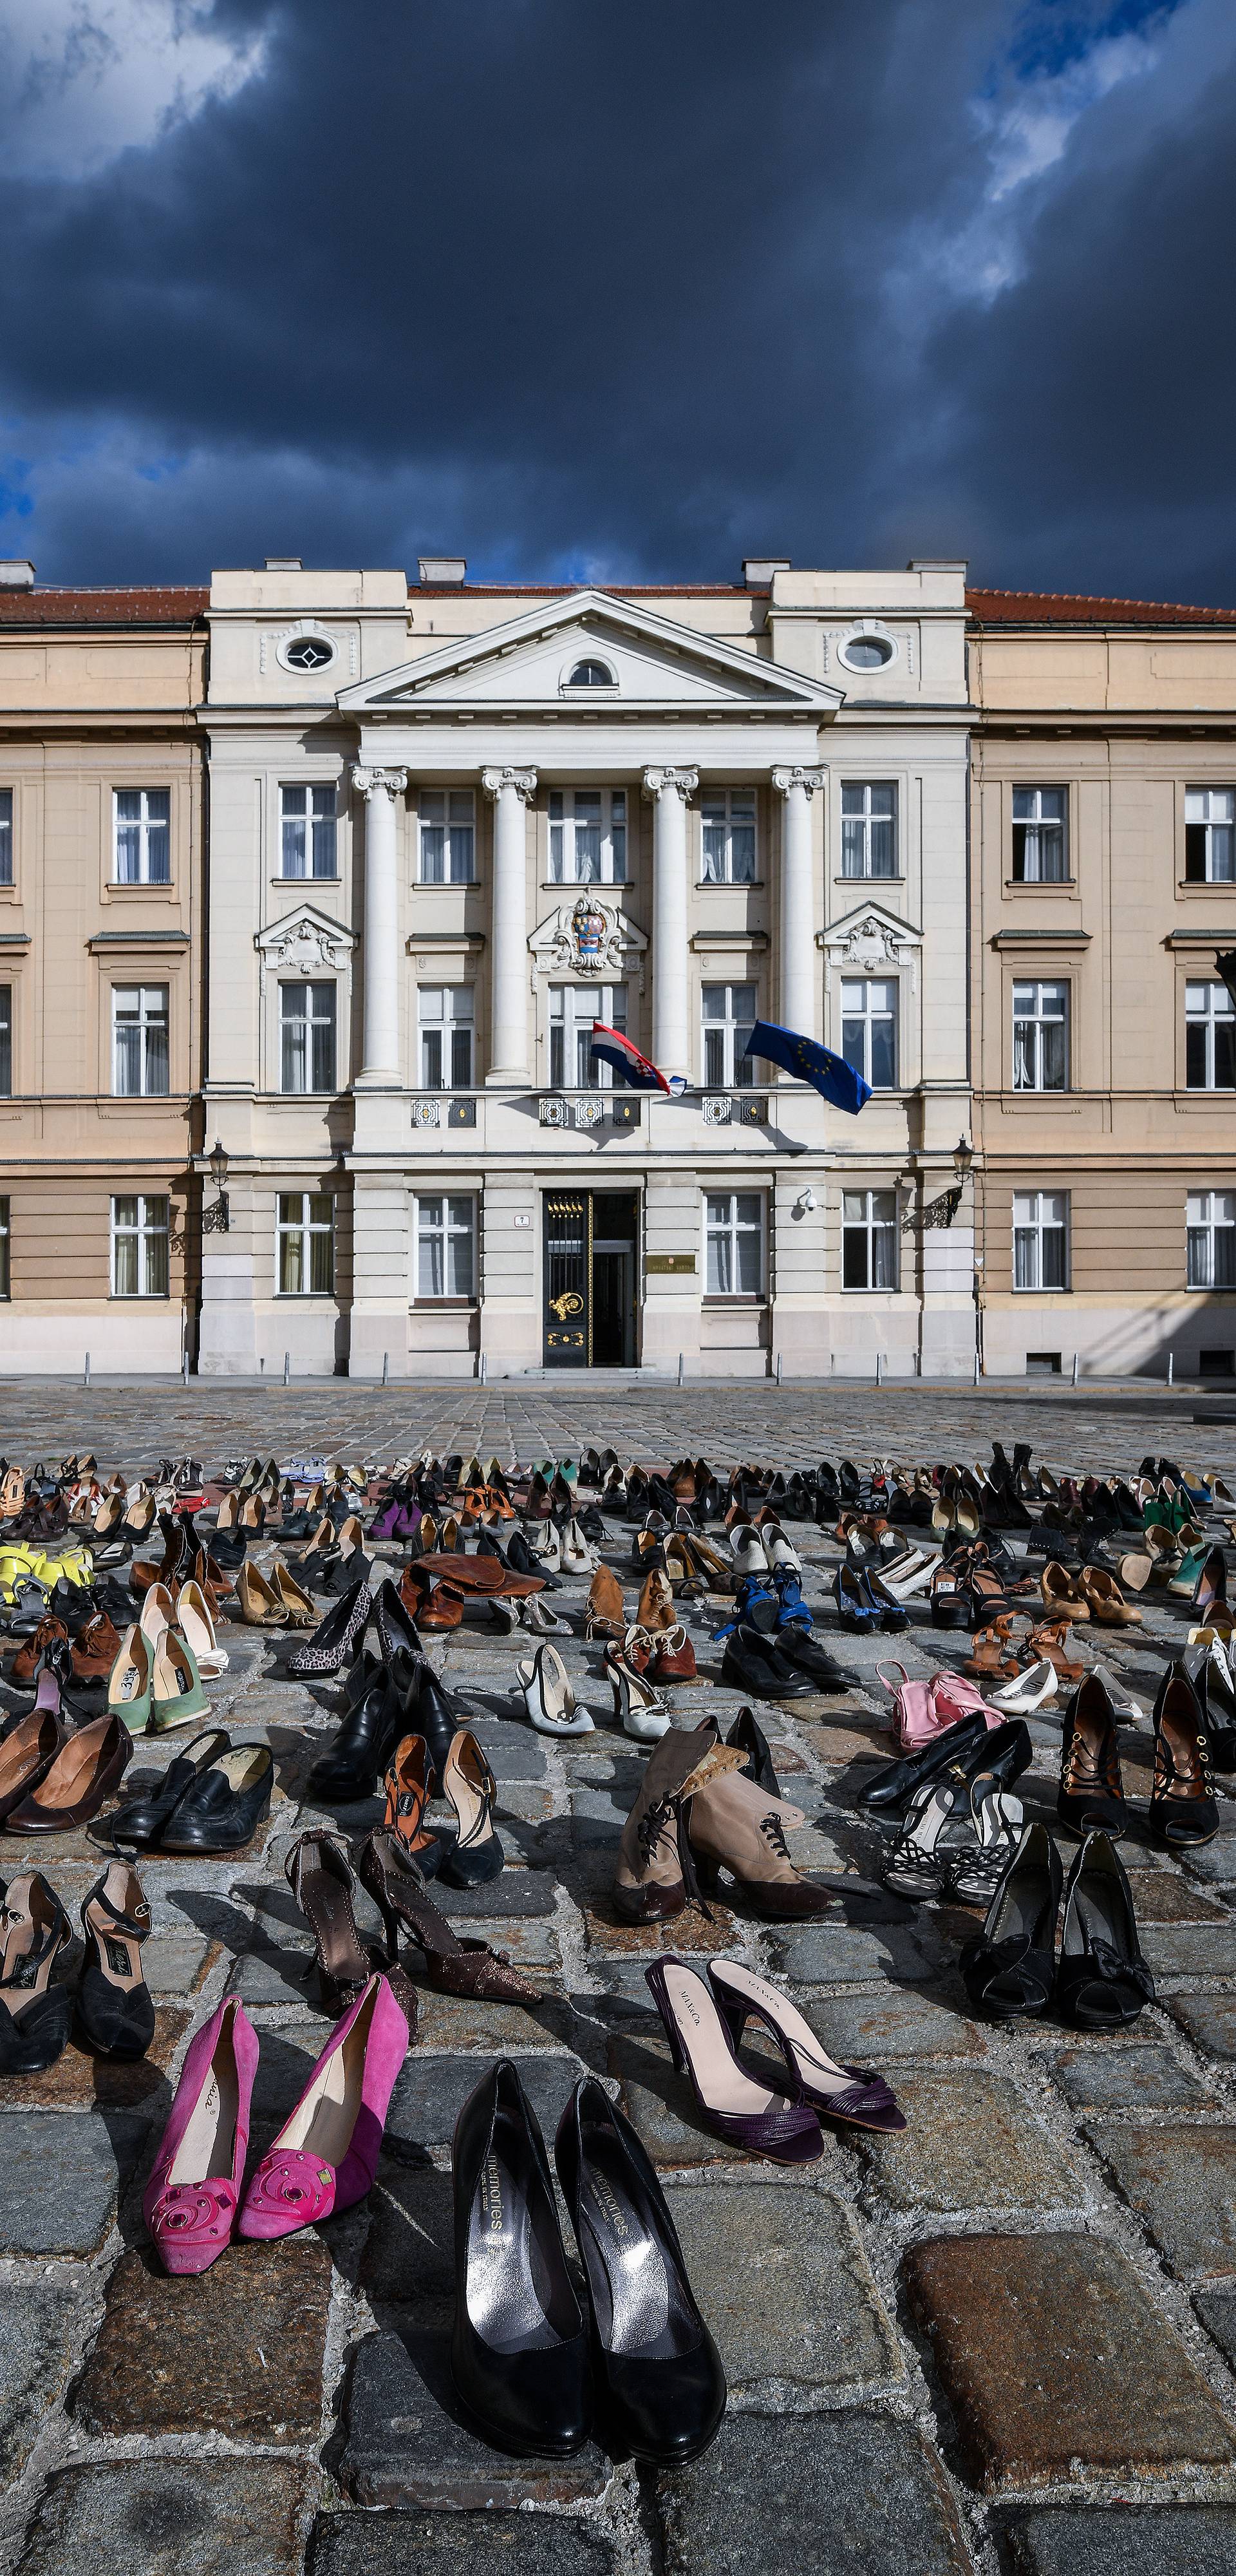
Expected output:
{"points": [[804, 1203], [218, 1219], [963, 1156]]}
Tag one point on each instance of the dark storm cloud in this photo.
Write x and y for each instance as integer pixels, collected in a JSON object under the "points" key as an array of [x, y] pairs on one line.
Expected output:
{"points": [[626, 291]]}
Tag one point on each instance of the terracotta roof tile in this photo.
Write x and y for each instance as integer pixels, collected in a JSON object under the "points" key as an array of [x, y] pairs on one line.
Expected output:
{"points": [[1074, 608], [162, 604]]}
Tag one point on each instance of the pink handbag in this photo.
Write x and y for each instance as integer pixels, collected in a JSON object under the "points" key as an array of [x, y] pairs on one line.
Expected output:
{"points": [[924, 1710]]}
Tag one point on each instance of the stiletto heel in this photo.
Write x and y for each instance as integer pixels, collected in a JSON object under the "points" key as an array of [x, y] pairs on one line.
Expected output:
{"points": [[34, 2016], [519, 2349], [763, 2119], [452, 1966], [190, 2201], [476, 1855], [851, 2093], [326, 2154]]}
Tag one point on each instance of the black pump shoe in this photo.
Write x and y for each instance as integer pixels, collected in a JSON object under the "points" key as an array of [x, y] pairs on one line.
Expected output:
{"points": [[754, 1746], [365, 1741], [467, 1783], [331, 1645], [34, 2016], [113, 1999], [519, 2348], [806, 1655], [1102, 1981], [970, 1746], [656, 2371], [1091, 1796], [437, 1714], [753, 1662], [1009, 1969]]}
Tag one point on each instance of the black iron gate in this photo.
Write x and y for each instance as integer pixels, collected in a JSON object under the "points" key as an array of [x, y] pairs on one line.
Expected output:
{"points": [[568, 1272]]}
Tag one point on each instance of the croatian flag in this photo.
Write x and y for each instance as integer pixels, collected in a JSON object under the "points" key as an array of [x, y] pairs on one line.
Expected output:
{"points": [[630, 1066]]}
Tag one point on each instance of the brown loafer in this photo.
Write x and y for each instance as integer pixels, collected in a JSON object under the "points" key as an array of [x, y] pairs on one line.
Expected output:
{"points": [[26, 1660], [89, 1765]]}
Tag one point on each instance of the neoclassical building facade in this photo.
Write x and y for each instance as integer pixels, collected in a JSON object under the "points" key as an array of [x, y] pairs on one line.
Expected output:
{"points": [[451, 828]]}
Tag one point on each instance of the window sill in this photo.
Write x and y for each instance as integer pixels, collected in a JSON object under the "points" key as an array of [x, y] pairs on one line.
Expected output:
{"points": [[333, 1094], [729, 885], [585, 885], [336, 879], [149, 885], [869, 881], [304, 1297], [718, 1297], [1040, 885], [439, 1305], [444, 885], [148, 1297], [1042, 1292], [8, 894], [1207, 885]]}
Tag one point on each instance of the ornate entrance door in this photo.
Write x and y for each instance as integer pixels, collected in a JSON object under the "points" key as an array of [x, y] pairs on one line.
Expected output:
{"points": [[568, 1268]]}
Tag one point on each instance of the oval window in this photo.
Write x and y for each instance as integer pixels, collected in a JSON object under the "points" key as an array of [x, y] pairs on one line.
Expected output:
{"points": [[866, 652], [591, 675], [309, 653]]}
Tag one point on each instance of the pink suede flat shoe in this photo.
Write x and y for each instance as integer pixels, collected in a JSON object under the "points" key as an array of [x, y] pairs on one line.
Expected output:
{"points": [[191, 2199], [326, 2154]]}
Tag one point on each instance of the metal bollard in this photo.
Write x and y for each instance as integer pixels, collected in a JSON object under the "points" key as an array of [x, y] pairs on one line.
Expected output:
{"points": [[287, 1368], [184, 1368], [386, 1368], [484, 1368], [879, 1369], [680, 1369], [86, 1374], [778, 1368], [1171, 1367], [976, 1369], [1075, 1368]]}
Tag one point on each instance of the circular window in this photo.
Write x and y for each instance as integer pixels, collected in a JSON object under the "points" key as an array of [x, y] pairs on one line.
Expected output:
{"points": [[866, 652], [309, 653], [591, 675]]}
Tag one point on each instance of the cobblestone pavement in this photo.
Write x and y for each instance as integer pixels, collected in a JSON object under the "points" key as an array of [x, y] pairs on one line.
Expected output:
{"points": [[1006, 2340]]}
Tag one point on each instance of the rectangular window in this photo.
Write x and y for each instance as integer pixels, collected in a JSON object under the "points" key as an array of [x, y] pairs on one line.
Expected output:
{"points": [[143, 835], [729, 1015], [448, 836], [139, 1247], [1210, 835], [869, 829], [869, 1029], [588, 835], [1212, 1238], [5, 1290], [728, 835], [306, 1233], [1039, 853], [445, 1012], [572, 1011], [1210, 1030], [1040, 1037], [6, 836], [446, 1247], [6, 1041], [139, 1041], [734, 1226], [869, 1239], [307, 1037], [307, 825], [1041, 1239]]}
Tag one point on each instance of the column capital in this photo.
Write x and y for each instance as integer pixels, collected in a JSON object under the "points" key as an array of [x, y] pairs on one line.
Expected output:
{"points": [[685, 781], [522, 780], [366, 781], [808, 779]]}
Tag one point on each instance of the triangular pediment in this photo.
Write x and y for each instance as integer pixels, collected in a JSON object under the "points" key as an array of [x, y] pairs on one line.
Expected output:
{"points": [[305, 941], [649, 662], [585, 936], [870, 940]]}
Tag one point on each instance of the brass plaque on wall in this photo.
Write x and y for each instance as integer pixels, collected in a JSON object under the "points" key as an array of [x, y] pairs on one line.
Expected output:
{"points": [[663, 1262]]}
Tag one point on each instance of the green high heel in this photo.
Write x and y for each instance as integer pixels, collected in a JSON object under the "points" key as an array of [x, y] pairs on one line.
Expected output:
{"points": [[176, 1693]]}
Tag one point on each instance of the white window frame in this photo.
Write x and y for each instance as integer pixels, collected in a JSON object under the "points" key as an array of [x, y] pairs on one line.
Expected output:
{"points": [[572, 1009], [317, 990], [295, 1219], [860, 825], [314, 834], [148, 1229], [874, 1215], [445, 1015], [6, 836], [869, 1015], [446, 822], [1040, 830], [1203, 818], [724, 1225], [1031, 1224], [6, 1041], [1033, 1013], [565, 835], [1210, 1220], [144, 822], [442, 1221], [1208, 1007], [145, 1009], [728, 1027], [717, 813]]}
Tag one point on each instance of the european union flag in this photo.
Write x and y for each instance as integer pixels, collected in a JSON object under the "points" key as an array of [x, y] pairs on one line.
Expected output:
{"points": [[827, 1073]]}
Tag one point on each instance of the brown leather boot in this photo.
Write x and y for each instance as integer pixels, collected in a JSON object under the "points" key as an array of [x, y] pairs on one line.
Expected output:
{"points": [[605, 1615], [732, 1822], [656, 1603], [654, 1875], [26, 1660]]}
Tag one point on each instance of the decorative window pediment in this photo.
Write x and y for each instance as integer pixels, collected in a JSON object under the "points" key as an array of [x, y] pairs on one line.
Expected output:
{"points": [[304, 942], [869, 940], [589, 939]]}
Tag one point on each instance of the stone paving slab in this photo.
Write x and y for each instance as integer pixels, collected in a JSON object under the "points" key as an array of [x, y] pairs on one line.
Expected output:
{"points": [[171, 2518], [431, 2091], [61, 2175], [396, 2544], [36, 2350], [783, 2278], [1209, 2021], [1180, 2177], [850, 2490], [407, 2442], [1032, 2337], [863, 2030], [971, 2142], [1099, 2077], [1162, 2540], [81, 2082], [237, 2350]]}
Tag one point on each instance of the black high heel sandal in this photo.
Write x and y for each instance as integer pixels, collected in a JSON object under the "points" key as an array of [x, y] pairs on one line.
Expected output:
{"points": [[1009, 1970], [476, 1855], [1102, 1981], [34, 2016], [114, 2004]]}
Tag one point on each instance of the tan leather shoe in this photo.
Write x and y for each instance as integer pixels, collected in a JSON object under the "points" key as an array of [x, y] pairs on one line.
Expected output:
{"points": [[655, 1874], [656, 1603], [738, 1826], [605, 1615]]}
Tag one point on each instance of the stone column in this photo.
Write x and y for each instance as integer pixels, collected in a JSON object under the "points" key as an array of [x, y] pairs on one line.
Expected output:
{"points": [[380, 1061], [669, 790], [511, 790], [796, 1002]]}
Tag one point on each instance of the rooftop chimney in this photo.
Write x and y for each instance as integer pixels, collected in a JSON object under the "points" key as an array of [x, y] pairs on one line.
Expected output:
{"points": [[284, 563], [16, 574], [442, 568], [759, 569]]}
